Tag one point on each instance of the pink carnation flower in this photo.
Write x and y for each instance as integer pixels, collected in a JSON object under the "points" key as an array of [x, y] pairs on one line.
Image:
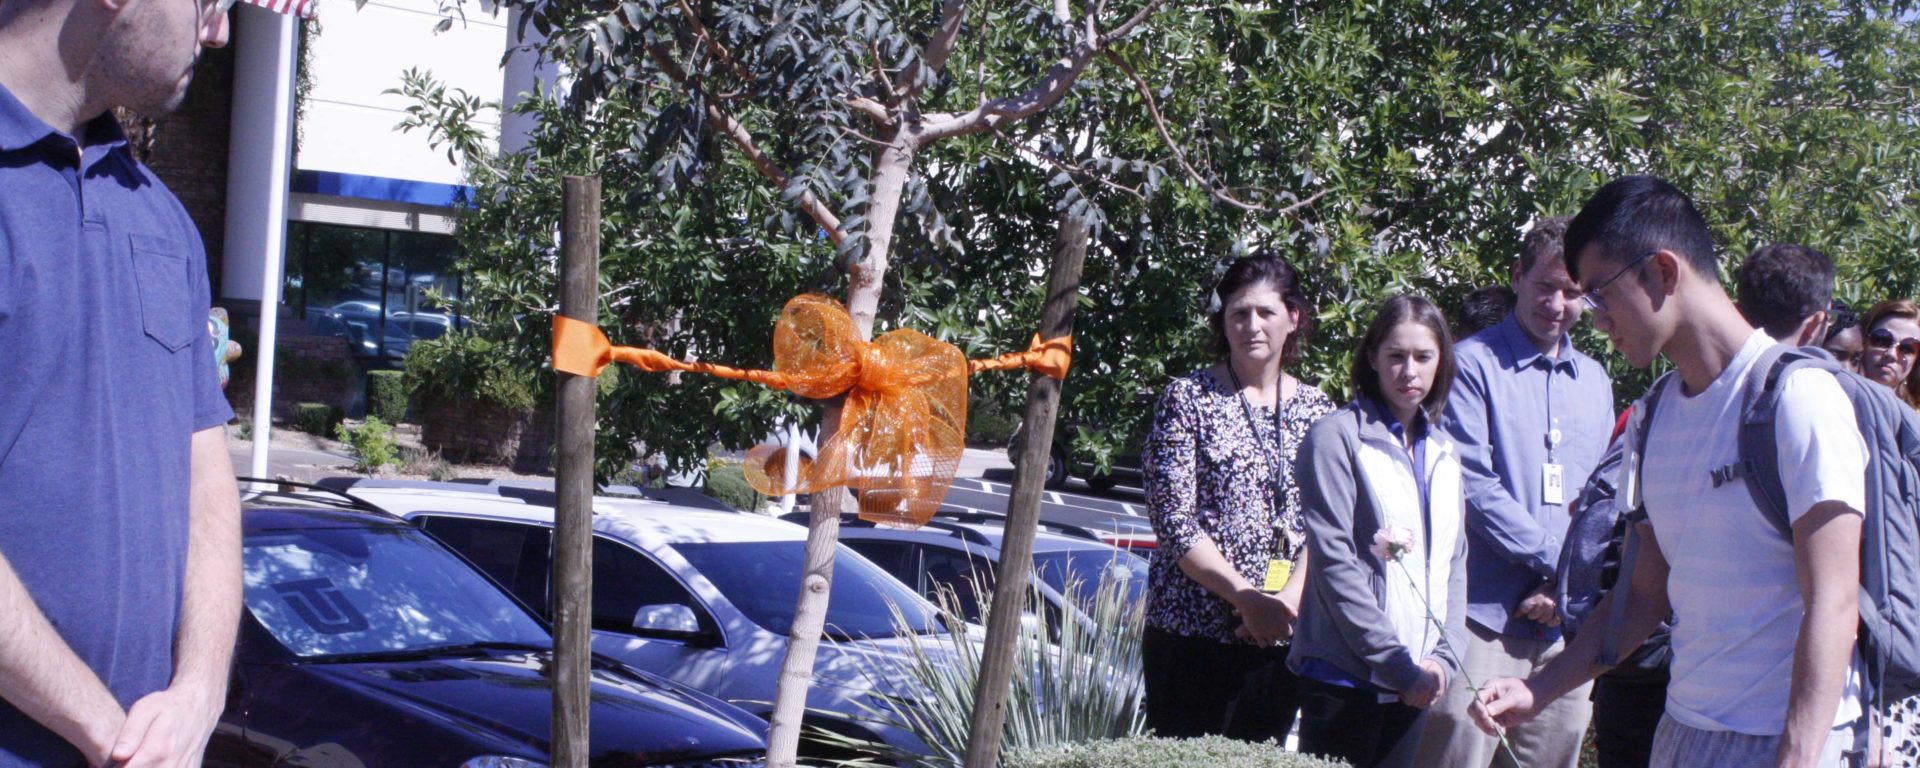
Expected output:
{"points": [[1391, 543]]}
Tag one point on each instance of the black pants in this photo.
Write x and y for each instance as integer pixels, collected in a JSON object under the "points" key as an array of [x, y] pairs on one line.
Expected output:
{"points": [[1202, 687], [1352, 724], [1625, 714]]}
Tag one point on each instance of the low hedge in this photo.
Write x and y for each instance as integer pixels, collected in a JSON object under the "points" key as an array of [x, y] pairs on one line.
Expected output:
{"points": [[387, 394], [317, 418], [727, 482], [1134, 752]]}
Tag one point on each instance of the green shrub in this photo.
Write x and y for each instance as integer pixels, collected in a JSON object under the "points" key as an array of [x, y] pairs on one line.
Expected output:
{"points": [[1207, 752], [371, 446], [990, 422], [462, 366], [387, 395], [317, 418], [727, 482]]}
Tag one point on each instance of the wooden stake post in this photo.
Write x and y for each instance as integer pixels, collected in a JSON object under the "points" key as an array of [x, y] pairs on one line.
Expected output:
{"points": [[573, 517], [1023, 506]]}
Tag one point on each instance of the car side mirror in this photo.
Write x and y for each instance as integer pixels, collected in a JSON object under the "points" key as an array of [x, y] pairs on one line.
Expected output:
{"points": [[669, 620]]}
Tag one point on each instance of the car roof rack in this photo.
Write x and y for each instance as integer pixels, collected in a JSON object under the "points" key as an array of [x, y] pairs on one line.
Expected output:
{"points": [[980, 516], [957, 522], [278, 489], [537, 494]]}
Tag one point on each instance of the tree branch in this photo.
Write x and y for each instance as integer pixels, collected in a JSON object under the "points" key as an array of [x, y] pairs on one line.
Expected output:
{"points": [[993, 114], [814, 208], [1180, 155], [1127, 27], [706, 36], [939, 49], [1074, 172], [874, 110], [1048, 91]]}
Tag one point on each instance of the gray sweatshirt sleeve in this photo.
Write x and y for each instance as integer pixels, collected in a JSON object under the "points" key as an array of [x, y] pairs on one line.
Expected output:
{"points": [[1339, 570]]}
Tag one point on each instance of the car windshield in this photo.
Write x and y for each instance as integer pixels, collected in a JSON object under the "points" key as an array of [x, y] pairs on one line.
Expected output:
{"points": [[762, 579], [372, 590], [1086, 568]]}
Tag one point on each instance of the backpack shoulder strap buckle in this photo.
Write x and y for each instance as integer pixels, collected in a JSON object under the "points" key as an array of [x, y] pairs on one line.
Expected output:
{"points": [[1732, 472]]}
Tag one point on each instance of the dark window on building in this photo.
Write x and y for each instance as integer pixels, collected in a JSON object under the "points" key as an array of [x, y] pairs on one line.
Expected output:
{"points": [[379, 289]]}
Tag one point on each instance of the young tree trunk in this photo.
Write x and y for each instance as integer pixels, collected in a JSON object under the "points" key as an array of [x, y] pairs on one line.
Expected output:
{"points": [[809, 619], [573, 511], [892, 163], [1023, 506], [823, 522]]}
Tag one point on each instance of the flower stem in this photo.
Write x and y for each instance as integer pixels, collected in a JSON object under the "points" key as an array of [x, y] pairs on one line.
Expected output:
{"points": [[1427, 605]]}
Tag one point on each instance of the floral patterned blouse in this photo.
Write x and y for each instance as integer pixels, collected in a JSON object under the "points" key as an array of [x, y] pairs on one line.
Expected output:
{"points": [[1208, 471]]}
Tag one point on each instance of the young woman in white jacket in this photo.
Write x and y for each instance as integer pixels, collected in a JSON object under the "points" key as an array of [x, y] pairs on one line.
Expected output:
{"points": [[1385, 602]]}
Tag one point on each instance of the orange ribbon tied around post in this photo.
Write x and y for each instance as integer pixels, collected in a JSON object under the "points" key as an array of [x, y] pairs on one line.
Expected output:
{"points": [[902, 424]]}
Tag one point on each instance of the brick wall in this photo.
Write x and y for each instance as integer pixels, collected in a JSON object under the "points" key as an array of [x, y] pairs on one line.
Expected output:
{"points": [[478, 432], [189, 151], [309, 369]]}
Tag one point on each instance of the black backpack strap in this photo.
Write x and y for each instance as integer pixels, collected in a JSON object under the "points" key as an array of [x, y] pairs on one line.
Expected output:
{"points": [[1628, 497]]}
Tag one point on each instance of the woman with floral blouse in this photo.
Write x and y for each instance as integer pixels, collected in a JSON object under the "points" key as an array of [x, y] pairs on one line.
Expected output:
{"points": [[1221, 494]]}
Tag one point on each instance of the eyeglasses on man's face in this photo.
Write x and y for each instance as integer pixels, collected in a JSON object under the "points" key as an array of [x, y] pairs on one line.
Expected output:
{"points": [[1593, 297], [1882, 338]]}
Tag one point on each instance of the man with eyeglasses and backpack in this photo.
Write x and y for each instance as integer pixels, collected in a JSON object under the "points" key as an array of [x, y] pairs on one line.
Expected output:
{"points": [[1750, 467]]}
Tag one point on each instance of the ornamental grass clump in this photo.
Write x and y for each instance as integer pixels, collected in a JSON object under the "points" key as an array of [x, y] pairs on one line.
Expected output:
{"points": [[1086, 687]]}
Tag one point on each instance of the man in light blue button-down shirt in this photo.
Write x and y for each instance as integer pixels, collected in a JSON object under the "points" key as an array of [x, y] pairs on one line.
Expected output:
{"points": [[1531, 416]]}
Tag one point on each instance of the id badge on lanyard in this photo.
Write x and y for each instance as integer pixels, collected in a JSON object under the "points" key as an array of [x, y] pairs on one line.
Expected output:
{"points": [[1553, 478], [1279, 570]]}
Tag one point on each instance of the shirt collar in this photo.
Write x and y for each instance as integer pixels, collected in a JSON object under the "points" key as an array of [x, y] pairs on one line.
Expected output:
{"points": [[1526, 355], [1383, 419], [21, 128]]}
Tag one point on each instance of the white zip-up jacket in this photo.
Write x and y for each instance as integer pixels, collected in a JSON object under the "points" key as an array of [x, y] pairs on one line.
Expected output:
{"points": [[1360, 614]]}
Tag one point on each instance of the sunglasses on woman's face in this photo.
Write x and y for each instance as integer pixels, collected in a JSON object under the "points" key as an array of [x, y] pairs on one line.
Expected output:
{"points": [[1882, 338]]}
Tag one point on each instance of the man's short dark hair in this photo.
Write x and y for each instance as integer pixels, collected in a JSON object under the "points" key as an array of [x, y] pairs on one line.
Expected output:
{"points": [[1483, 309], [1542, 241], [1783, 284], [1633, 215]]}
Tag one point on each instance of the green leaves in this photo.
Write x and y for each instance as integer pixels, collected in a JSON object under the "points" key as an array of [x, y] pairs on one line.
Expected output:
{"points": [[1418, 140]]}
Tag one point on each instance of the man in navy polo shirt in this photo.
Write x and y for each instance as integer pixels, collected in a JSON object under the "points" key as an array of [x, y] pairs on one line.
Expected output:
{"points": [[119, 522]]}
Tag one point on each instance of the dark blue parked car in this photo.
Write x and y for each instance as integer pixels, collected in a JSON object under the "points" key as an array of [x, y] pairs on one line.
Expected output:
{"points": [[365, 642]]}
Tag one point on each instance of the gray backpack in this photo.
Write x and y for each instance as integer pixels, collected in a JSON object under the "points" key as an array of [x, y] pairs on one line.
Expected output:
{"points": [[1889, 539]]}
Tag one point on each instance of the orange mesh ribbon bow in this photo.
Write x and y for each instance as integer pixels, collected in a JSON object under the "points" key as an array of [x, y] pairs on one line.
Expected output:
{"points": [[903, 422]]}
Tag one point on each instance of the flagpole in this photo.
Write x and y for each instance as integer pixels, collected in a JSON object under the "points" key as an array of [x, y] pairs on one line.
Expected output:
{"points": [[259, 172]]}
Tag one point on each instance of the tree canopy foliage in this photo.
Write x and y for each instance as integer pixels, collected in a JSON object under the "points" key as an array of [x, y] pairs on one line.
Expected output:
{"points": [[1382, 146]]}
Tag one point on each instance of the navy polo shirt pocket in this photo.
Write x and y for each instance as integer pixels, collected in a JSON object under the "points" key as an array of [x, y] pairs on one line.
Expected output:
{"points": [[161, 268]]}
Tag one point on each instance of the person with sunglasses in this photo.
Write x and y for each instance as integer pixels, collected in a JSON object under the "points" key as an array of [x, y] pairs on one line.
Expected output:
{"points": [[120, 548], [1890, 345]]}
